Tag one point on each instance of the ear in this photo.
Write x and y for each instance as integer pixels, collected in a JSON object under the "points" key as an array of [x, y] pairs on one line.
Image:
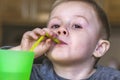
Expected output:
{"points": [[101, 48]]}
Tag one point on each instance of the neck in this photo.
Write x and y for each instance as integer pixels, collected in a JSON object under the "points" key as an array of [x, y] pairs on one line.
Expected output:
{"points": [[74, 72]]}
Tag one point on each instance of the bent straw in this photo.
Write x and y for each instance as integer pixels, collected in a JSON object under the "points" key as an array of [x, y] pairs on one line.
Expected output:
{"points": [[54, 39], [41, 39]]}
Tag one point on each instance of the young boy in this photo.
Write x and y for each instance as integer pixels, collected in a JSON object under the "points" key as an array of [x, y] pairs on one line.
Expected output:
{"points": [[83, 28]]}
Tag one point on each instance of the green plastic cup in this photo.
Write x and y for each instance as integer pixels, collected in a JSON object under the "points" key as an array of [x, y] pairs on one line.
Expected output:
{"points": [[15, 65]]}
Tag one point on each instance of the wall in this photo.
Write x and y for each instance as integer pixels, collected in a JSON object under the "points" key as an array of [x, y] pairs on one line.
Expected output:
{"points": [[114, 51]]}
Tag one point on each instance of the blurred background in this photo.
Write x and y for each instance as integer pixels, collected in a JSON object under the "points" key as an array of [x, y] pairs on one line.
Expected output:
{"points": [[19, 16]]}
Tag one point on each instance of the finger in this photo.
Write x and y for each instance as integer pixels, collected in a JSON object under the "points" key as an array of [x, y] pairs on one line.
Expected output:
{"points": [[42, 48], [30, 35], [49, 32], [47, 44], [39, 31]]}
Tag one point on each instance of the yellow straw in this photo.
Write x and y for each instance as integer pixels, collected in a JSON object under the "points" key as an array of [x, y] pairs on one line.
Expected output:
{"points": [[54, 39], [37, 43], [41, 39]]}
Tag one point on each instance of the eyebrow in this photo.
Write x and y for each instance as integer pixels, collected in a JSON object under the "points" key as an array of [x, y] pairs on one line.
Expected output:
{"points": [[54, 18], [74, 15], [82, 17]]}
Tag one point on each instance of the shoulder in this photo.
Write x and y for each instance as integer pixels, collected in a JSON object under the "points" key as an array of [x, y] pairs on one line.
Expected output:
{"points": [[106, 73], [108, 70], [6, 47]]}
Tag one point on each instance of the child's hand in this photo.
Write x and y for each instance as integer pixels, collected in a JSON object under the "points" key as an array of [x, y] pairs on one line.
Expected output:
{"points": [[30, 37]]}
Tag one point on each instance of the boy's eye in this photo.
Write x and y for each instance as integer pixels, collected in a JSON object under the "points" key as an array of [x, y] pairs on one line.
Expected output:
{"points": [[55, 26], [77, 26]]}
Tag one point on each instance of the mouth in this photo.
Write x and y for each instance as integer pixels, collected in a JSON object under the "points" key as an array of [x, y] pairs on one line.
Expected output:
{"points": [[62, 42]]}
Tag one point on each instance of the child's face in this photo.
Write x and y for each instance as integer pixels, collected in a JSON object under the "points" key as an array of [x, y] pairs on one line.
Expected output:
{"points": [[77, 25]]}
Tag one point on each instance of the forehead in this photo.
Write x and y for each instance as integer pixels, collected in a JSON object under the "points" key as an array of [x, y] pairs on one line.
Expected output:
{"points": [[72, 8]]}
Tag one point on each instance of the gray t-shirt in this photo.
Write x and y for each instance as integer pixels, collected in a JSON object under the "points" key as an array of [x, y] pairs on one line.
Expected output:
{"points": [[45, 71]]}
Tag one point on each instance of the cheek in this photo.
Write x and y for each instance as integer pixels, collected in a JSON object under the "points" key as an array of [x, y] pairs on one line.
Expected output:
{"points": [[82, 45], [79, 47]]}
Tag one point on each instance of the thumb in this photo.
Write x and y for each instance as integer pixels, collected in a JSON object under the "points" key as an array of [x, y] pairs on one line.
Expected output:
{"points": [[42, 48]]}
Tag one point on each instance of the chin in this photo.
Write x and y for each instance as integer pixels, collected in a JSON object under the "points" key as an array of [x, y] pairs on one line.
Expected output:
{"points": [[60, 61], [58, 57]]}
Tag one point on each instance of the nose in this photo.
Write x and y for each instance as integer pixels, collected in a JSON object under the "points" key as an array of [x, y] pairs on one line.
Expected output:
{"points": [[62, 31]]}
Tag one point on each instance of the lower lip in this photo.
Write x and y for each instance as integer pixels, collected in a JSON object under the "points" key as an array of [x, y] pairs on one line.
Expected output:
{"points": [[61, 44]]}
